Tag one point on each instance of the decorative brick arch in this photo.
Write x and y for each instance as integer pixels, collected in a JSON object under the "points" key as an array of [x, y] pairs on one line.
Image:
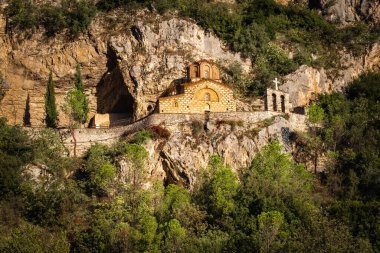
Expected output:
{"points": [[204, 92]]}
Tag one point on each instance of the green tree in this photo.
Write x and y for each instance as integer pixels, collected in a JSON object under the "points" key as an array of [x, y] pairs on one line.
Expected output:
{"points": [[50, 104], [136, 156], [78, 79], [2, 87], [174, 237], [269, 234], [29, 238], [218, 186], [80, 96], [316, 114], [16, 150]]}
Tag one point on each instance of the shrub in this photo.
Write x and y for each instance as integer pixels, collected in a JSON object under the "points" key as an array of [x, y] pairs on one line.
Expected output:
{"points": [[75, 15], [22, 15], [142, 136], [30, 238], [232, 123], [160, 132], [265, 122], [53, 19]]}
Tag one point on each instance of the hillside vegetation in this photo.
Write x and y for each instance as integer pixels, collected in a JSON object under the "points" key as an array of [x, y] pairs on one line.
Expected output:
{"points": [[274, 205], [277, 38]]}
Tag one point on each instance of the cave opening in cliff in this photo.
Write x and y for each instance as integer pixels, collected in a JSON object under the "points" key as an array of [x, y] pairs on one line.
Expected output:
{"points": [[114, 98]]}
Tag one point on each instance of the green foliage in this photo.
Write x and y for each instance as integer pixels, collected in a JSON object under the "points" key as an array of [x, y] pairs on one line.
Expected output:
{"points": [[142, 136], [219, 188], [136, 156], [361, 217], [29, 238], [76, 100], [2, 87], [78, 79], [235, 76], [50, 105], [315, 113], [270, 206], [174, 237], [80, 14], [49, 150], [53, 19], [22, 15], [74, 15], [270, 224], [352, 132], [103, 176], [99, 172], [15, 151]]}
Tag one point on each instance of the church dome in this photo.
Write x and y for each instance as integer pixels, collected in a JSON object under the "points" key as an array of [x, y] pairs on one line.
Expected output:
{"points": [[203, 70]]}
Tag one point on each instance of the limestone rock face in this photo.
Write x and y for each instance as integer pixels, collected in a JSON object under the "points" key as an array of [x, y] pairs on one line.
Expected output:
{"points": [[125, 68], [179, 159], [349, 11], [155, 56], [25, 66], [306, 82], [128, 62]]}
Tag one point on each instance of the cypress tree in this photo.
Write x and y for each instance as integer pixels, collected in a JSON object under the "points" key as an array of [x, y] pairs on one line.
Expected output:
{"points": [[78, 79], [80, 87], [50, 106]]}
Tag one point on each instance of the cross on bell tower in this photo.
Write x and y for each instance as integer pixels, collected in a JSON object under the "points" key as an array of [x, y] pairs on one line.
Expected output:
{"points": [[276, 82]]}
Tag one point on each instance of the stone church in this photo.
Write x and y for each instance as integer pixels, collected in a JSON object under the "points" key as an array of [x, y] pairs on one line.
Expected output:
{"points": [[203, 92]]}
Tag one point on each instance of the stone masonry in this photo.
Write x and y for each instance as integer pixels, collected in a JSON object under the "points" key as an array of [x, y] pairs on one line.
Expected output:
{"points": [[276, 101], [203, 93]]}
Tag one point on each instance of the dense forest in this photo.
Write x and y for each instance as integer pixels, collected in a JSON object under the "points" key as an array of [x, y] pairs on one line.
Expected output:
{"points": [[274, 205]]}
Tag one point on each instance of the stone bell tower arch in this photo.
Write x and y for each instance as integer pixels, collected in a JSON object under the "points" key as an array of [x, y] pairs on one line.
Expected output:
{"points": [[276, 100]]}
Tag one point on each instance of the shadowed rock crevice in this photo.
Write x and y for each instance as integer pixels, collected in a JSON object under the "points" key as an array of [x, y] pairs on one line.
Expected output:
{"points": [[173, 176], [112, 93]]}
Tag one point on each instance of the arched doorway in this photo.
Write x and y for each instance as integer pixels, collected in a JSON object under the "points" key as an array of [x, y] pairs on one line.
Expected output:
{"points": [[207, 108], [274, 102]]}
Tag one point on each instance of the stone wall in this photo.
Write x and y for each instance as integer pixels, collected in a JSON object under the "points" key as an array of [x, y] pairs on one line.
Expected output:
{"points": [[89, 136], [193, 99]]}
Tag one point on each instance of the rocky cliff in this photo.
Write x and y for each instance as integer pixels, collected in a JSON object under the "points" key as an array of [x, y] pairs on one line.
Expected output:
{"points": [[349, 11], [127, 63], [191, 138], [306, 82]]}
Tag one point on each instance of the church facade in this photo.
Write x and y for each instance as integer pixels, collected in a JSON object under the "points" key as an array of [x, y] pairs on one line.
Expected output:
{"points": [[204, 92]]}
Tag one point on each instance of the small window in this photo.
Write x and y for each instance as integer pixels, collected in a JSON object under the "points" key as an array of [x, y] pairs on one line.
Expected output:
{"points": [[175, 104], [207, 96]]}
